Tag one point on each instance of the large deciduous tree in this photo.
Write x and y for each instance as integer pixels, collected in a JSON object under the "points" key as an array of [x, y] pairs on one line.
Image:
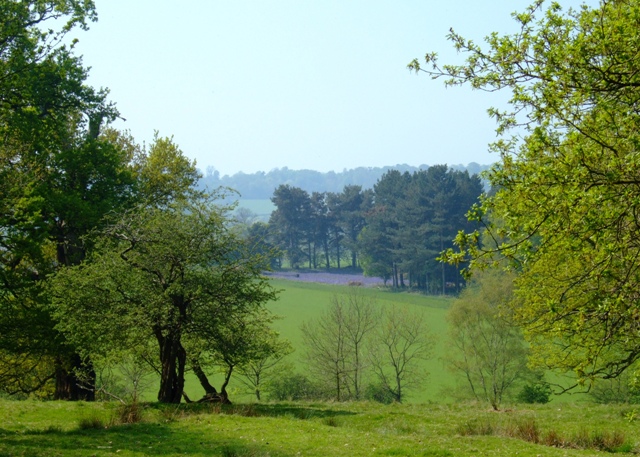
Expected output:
{"points": [[176, 275], [58, 177], [568, 187]]}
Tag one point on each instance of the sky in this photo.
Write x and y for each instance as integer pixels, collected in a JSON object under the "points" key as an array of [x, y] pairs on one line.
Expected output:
{"points": [[322, 85]]}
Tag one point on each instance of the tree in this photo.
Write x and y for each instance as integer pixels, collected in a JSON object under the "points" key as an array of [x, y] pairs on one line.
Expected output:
{"points": [[338, 342], [174, 274], [258, 370], [567, 191], [58, 178], [348, 210], [291, 222], [414, 217], [486, 348], [403, 341], [164, 173]]}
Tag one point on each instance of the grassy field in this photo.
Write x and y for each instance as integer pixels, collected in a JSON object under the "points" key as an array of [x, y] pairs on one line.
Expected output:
{"points": [[262, 208], [430, 424], [315, 429], [300, 302]]}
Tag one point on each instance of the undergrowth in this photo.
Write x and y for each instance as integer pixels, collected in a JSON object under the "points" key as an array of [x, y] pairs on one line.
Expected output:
{"points": [[527, 429]]}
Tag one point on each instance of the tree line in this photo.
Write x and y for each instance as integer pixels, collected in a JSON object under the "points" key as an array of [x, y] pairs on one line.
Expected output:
{"points": [[395, 230], [260, 185]]}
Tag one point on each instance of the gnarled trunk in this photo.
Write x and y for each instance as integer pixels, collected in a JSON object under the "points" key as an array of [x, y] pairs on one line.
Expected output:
{"points": [[75, 379], [172, 358]]}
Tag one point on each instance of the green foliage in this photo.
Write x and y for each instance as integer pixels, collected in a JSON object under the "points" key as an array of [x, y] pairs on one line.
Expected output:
{"points": [[165, 174], [486, 349], [378, 393], [539, 392], [293, 387], [414, 217], [566, 186], [175, 275], [58, 179]]}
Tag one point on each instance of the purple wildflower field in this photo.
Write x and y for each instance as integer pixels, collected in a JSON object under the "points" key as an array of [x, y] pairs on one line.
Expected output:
{"points": [[341, 279]]}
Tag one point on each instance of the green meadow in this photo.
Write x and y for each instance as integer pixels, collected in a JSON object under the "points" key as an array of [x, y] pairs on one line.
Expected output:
{"points": [[430, 423], [300, 302], [50, 429]]}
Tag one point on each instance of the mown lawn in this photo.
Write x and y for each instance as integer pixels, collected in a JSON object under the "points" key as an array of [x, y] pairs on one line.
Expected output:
{"points": [[307, 429]]}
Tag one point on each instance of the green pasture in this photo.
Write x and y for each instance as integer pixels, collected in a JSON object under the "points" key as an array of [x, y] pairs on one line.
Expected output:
{"points": [[51, 429], [261, 207], [299, 302]]}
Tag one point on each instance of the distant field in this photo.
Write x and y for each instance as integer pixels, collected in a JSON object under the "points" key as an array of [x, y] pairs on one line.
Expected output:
{"points": [[262, 208], [301, 301]]}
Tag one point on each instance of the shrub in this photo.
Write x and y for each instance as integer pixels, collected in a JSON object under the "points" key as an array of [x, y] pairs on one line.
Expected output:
{"points": [[477, 428], [293, 387], [537, 392], [89, 423], [378, 393], [129, 413]]}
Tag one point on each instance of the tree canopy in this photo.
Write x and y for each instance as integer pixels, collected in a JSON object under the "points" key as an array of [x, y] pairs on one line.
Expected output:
{"points": [[565, 210], [92, 224]]}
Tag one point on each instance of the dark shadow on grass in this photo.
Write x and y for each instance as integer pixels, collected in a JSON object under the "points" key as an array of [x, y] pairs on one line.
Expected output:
{"points": [[151, 439], [300, 411], [174, 412]]}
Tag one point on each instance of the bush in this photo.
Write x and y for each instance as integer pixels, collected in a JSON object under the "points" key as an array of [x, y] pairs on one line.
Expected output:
{"points": [[91, 423], [293, 387], [537, 392], [128, 413], [378, 393]]}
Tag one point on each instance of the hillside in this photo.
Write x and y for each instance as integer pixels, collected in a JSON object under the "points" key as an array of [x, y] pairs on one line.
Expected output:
{"points": [[260, 185]]}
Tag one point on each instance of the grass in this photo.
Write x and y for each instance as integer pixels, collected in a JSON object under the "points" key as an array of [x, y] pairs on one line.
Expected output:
{"points": [[261, 207], [312, 429], [301, 301]]}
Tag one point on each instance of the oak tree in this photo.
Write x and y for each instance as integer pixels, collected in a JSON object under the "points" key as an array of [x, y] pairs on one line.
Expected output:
{"points": [[567, 182]]}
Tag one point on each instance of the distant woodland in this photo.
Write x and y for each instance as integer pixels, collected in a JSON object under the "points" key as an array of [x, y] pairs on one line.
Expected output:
{"points": [[394, 230], [260, 185]]}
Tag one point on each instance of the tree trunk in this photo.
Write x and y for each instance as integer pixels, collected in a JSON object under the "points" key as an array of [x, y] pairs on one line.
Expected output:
{"points": [[172, 358], [202, 377], [326, 253], [75, 380], [223, 390]]}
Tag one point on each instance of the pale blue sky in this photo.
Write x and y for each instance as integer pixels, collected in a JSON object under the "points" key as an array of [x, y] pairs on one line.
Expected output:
{"points": [[322, 85]]}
